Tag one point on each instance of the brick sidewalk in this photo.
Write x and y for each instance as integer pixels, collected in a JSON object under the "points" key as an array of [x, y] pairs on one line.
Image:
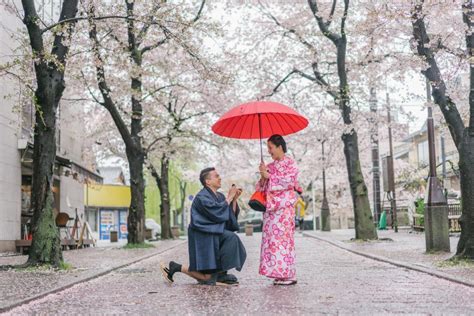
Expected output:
{"points": [[20, 285], [407, 246], [330, 281]]}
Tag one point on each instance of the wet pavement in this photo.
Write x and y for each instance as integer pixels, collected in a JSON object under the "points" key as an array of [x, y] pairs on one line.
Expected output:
{"points": [[330, 281], [405, 246], [18, 285]]}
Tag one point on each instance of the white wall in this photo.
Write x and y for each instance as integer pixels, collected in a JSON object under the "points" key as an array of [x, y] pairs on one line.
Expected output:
{"points": [[73, 191], [10, 168]]}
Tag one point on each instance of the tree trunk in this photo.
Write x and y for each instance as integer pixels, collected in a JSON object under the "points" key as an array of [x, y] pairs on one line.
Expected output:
{"points": [[364, 224], [162, 182], [46, 247], [165, 206], [465, 248], [136, 213]]}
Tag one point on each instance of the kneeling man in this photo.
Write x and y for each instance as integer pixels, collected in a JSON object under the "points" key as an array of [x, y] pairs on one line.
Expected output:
{"points": [[213, 246]]}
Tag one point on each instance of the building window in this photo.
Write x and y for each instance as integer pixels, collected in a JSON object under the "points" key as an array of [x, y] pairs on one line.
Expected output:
{"points": [[91, 217], [423, 156]]}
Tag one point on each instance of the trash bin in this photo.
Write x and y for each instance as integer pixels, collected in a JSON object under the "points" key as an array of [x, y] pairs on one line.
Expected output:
{"points": [[248, 229], [175, 231], [113, 236], [383, 221]]}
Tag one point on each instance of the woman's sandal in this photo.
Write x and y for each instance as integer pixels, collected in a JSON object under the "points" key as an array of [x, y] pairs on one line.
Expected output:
{"points": [[285, 282]]}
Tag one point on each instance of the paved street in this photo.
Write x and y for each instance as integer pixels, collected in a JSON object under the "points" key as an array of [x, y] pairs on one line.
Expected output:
{"points": [[331, 280]]}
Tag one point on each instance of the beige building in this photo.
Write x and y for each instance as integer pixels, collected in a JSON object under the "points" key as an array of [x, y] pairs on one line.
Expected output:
{"points": [[414, 151]]}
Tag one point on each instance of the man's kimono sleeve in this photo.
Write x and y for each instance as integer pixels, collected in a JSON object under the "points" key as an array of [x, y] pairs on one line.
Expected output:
{"points": [[232, 224]]}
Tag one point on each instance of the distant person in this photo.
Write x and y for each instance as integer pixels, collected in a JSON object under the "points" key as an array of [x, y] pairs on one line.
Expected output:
{"points": [[213, 246], [278, 180], [300, 209]]}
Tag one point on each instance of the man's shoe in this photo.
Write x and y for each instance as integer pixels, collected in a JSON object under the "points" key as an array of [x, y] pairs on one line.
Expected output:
{"points": [[169, 271], [211, 281], [224, 278]]}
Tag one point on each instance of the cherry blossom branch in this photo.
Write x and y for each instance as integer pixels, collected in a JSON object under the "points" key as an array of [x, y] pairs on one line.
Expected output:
{"points": [[322, 24], [468, 18], [433, 74], [344, 18], [168, 34], [289, 30], [64, 21], [331, 14], [147, 25], [198, 15], [104, 89]]}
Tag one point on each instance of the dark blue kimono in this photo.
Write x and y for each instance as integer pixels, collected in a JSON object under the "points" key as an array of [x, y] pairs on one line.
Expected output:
{"points": [[213, 246]]}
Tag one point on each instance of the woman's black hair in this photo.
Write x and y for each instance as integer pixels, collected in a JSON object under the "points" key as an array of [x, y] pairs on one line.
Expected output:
{"points": [[278, 141]]}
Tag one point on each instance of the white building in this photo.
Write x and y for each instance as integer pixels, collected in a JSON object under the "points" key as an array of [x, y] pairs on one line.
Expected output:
{"points": [[16, 151]]}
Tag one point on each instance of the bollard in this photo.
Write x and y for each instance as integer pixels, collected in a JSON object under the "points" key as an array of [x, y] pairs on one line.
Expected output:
{"points": [[113, 236], [175, 231], [325, 216], [248, 229], [436, 218], [148, 233]]}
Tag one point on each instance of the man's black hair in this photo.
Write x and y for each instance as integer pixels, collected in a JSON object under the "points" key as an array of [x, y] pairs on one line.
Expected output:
{"points": [[278, 141], [205, 175]]}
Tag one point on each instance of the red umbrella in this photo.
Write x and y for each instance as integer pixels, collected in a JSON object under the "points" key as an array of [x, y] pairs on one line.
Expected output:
{"points": [[259, 119]]}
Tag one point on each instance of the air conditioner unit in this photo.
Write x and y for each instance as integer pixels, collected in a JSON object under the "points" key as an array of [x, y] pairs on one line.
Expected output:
{"points": [[22, 143]]}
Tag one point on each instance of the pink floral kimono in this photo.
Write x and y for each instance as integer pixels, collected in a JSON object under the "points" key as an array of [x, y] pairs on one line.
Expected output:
{"points": [[277, 255]]}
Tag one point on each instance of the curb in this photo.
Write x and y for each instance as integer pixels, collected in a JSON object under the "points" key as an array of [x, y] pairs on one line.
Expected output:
{"points": [[400, 264], [6, 308]]}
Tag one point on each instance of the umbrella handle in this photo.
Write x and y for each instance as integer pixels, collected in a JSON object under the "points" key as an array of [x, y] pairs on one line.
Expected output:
{"points": [[260, 131]]}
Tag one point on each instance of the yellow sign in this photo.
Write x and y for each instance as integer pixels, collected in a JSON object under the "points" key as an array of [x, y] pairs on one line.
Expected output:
{"points": [[107, 195]]}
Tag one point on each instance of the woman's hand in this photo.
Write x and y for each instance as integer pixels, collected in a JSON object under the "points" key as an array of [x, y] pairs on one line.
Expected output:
{"points": [[263, 170]]}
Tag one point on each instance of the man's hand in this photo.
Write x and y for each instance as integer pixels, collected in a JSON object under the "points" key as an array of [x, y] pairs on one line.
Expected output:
{"points": [[238, 194], [231, 194]]}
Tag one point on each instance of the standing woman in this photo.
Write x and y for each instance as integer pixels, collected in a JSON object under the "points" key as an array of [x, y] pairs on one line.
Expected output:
{"points": [[278, 180]]}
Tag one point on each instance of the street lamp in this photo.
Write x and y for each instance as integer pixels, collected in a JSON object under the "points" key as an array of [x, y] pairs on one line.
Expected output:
{"points": [[436, 213], [374, 137], [393, 197]]}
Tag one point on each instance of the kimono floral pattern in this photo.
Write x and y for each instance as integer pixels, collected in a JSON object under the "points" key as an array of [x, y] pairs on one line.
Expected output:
{"points": [[277, 255]]}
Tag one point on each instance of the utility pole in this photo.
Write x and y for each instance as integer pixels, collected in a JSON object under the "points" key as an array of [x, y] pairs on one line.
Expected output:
{"points": [[325, 214], [436, 212], [393, 197], [374, 137], [313, 205]]}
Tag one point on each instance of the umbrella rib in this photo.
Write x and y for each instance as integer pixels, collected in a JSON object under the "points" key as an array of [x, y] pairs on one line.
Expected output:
{"points": [[225, 124], [265, 118], [296, 122], [243, 125], [254, 127], [278, 122], [238, 121], [285, 118]]}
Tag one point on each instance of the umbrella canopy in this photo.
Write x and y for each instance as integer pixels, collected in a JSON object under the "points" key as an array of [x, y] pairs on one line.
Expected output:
{"points": [[259, 119]]}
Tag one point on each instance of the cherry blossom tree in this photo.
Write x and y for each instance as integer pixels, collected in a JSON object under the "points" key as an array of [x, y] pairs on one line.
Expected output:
{"points": [[431, 47], [162, 40], [48, 48]]}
